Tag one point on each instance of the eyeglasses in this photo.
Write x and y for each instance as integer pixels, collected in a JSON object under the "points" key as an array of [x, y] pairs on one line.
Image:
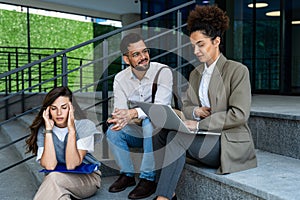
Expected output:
{"points": [[145, 51]]}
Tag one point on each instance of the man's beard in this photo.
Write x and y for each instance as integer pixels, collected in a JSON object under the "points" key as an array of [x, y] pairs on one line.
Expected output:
{"points": [[142, 67], [139, 67]]}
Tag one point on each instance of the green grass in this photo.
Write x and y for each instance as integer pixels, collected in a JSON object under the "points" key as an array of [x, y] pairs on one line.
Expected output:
{"points": [[47, 32]]}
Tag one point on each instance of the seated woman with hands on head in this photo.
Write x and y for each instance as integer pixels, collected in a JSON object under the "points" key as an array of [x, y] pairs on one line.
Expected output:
{"points": [[63, 140]]}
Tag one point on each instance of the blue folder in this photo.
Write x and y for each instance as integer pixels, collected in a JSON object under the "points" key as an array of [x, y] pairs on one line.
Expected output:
{"points": [[81, 169]]}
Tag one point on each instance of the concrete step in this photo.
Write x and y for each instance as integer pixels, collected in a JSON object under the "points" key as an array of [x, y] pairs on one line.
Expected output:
{"points": [[15, 130], [276, 132], [94, 113], [275, 124], [17, 182], [91, 97], [276, 178], [276, 135]]}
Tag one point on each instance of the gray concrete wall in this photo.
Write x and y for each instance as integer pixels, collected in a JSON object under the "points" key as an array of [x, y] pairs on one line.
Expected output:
{"points": [[280, 136]]}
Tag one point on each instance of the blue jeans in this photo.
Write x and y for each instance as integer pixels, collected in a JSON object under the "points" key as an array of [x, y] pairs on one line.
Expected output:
{"points": [[133, 136]]}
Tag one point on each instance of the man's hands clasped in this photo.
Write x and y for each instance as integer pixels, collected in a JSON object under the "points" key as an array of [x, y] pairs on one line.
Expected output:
{"points": [[121, 117]]}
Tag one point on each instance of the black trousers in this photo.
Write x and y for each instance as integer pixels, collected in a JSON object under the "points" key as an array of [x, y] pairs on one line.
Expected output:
{"points": [[170, 149]]}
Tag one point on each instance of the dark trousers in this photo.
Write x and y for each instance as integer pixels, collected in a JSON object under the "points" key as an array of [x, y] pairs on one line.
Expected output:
{"points": [[170, 152]]}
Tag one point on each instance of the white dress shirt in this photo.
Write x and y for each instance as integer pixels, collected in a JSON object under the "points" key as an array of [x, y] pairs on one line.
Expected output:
{"points": [[127, 88], [204, 84], [203, 88]]}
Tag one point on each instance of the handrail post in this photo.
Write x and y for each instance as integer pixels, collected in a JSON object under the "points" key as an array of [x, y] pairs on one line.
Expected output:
{"points": [[6, 101], [9, 68], [17, 74], [55, 70], [65, 70], [40, 74], [28, 47], [105, 96], [23, 87], [179, 58], [80, 74]]}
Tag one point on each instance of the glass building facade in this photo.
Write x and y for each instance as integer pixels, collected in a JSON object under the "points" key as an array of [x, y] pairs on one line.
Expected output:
{"points": [[263, 34]]}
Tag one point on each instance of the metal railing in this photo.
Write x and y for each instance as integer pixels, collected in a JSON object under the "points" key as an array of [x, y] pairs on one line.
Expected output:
{"points": [[13, 57], [103, 62]]}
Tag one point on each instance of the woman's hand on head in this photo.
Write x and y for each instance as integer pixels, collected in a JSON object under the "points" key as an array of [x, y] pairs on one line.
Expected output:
{"points": [[49, 123], [71, 124]]}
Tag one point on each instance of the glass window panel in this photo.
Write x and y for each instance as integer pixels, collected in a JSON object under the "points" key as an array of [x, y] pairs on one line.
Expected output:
{"points": [[295, 46], [254, 29]]}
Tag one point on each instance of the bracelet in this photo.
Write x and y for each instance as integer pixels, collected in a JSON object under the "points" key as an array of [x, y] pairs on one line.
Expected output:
{"points": [[197, 128], [48, 131]]}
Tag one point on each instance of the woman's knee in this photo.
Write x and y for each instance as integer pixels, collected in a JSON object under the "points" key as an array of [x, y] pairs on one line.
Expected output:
{"points": [[55, 178]]}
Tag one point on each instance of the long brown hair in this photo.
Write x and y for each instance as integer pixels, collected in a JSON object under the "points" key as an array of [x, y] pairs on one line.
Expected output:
{"points": [[64, 91]]}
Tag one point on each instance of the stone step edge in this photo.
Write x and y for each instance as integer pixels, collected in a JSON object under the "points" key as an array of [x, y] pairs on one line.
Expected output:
{"points": [[275, 177]]}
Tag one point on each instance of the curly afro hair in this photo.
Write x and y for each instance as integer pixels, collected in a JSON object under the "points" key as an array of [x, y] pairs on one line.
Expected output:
{"points": [[210, 20]]}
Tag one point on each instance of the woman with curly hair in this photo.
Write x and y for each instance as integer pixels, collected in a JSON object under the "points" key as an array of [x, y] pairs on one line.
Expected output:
{"points": [[218, 100], [63, 140]]}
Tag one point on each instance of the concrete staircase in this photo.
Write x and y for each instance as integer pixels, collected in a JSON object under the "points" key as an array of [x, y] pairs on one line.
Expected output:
{"points": [[276, 132], [17, 182]]}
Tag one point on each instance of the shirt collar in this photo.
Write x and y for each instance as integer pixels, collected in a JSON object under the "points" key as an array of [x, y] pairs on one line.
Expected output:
{"points": [[209, 70]]}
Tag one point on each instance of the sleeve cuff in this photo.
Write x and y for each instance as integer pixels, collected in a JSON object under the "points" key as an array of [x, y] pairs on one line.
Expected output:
{"points": [[198, 125], [141, 114], [196, 118]]}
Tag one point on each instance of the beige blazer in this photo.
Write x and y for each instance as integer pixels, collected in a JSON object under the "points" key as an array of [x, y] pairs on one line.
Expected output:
{"points": [[230, 99]]}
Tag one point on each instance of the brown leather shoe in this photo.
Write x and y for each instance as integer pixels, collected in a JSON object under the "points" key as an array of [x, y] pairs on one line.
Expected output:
{"points": [[122, 183], [144, 188]]}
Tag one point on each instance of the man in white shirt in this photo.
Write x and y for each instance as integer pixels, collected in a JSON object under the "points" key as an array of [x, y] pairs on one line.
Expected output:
{"points": [[135, 84]]}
